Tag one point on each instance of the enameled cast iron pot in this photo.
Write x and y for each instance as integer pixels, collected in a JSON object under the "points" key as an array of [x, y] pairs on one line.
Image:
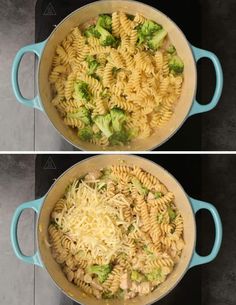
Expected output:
{"points": [[187, 105], [187, 206]]}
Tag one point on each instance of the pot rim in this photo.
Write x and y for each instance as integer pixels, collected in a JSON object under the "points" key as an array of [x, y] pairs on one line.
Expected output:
{"points": [[188, 45], [120, 155]]}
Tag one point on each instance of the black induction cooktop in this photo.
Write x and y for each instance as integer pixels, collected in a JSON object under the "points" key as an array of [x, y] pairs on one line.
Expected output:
{"points": [[188, 291], [186, 14]]}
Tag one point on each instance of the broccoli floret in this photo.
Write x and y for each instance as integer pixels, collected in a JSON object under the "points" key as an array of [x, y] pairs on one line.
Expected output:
{"points": [[101, 185], [159, 218], [101, 271], [106, 174], [145, 248], [137, 276], [146, 31], [104, 124], [158, 195], [93, 64], [121, 137], [82, 114], [103, 26], [149, 27], [92, 32], [118, 117], [106, 38], [141, 37], [82, 91], [157, 39], [155, 275], [171, 213], [171, 49], [107, 295], [85, 134], [120, 294], [141, 189], [131, 228], [105, 21], [176, 64]]}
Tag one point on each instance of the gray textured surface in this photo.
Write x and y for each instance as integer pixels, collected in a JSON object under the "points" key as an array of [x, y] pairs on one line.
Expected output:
{"points": [[17, 122], [16, 30], [16, 186]]}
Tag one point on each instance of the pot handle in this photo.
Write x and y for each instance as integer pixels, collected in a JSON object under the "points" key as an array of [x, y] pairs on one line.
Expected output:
{"points": [[36, 206], [196, 258], [199, 108], [37, 49]]}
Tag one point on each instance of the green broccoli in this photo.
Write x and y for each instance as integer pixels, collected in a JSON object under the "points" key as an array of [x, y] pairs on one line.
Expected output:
{"points": [[158, 195], [105, 21], [149, 27], [92, 32], [118, 117], [145, 248], [85, 134], [121, 137], [159, 218], [93, 64], [120, 294], [171, 49], [171, 213], [82, 91], [141, 189], [141, 37], [103, 26], [137, 276], [155, 275], [106, 173], [157, 39], [83, 114], [176, 64], [107, 295], [131, 228], [106, 38], [147, 30], [104, 124], [101, 271], [101, 185]]}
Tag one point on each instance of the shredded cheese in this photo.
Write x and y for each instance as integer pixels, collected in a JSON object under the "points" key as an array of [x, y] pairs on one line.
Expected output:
{"points": [[94, 222]]}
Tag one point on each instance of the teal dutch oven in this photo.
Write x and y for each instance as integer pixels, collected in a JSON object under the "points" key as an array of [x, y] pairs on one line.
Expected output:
{"points": [[185, 204], [186, 107]]}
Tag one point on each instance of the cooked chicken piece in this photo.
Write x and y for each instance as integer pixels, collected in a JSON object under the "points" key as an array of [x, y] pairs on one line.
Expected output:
{"points": [[125, 282], [79, 274], [150, 196], [96, 285], [97, 293], [144, 288], [166, 270], [88, 279], [134, 287], [92, 176], [129, 295]]}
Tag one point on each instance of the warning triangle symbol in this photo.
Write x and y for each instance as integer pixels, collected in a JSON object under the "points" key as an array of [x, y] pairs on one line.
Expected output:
{"points": [[50, 10], [49, 164]]}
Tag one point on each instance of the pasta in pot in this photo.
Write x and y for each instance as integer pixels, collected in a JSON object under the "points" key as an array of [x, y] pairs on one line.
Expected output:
{"points": [[121, 74], [117, 232]]}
